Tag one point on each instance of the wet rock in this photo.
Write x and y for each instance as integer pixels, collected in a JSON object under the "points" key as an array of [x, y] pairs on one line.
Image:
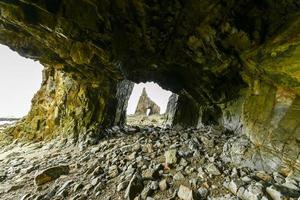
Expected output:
{"points": [[135, 187], [51, 174]]}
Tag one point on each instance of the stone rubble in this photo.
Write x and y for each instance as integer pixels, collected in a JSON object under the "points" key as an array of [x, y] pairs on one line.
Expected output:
{"points": [[142, 163]]}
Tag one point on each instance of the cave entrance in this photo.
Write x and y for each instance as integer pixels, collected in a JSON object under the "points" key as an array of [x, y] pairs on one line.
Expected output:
{"points": [[20, 78], [147, 105]]}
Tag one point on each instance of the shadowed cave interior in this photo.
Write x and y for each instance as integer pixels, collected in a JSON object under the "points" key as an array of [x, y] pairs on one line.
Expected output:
{"points": [[233, 65]]}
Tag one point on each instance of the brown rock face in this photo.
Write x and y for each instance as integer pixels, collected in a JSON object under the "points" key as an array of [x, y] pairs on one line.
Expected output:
{"points": [[145, 104]]}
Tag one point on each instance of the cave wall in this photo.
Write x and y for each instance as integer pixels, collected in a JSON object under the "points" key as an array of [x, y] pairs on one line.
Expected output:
{"points": [[271, 121], [124, 90], [69, 104]]}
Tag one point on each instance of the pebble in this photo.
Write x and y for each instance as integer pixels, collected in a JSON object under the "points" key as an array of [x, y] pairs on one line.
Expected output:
{"points": [[152, 164]]}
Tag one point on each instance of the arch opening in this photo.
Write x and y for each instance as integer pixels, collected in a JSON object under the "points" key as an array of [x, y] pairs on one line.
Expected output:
{"points": [[147, 104], [20, 79]]}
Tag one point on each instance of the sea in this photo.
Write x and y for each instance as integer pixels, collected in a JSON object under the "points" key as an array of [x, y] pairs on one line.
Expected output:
{"points": [[6, 122]]}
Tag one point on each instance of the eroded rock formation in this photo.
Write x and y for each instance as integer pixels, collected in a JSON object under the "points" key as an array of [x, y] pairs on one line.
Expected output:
{"points": [[236, 61], [145, 104]]}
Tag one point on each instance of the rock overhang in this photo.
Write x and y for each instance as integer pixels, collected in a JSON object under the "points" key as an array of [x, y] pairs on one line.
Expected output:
{"points": [[177, 44]]}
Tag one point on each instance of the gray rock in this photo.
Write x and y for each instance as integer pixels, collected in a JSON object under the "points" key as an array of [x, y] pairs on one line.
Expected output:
{"points": [[135, 187], [171, 156], [186, 193], [26, 196], [233, 185], [122, 186], [212, 169], [14, 187], [163, 185], [147, 191], [113, 171], [27, 170], [2, 176], [97, 171], [154, 185], [291, 184], [178, 176], [95, 181], [78, 187], [253, 192], [64, 189], [151, 174], [203, 192], [274, 194]]}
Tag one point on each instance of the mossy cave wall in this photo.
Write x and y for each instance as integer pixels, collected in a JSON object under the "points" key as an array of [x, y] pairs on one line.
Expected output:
{"points": [[233, 63]]}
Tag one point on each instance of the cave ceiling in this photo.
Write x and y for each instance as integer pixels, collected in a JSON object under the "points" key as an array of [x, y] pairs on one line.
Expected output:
{"points": [[210, 48]]}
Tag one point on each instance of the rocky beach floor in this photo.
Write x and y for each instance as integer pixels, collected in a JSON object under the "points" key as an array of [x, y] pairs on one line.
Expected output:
{"points": [[136, 163]]}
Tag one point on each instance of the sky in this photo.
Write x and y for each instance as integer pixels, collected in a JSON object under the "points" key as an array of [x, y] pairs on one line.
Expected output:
{"points": [[20, 79], [154, 91]]}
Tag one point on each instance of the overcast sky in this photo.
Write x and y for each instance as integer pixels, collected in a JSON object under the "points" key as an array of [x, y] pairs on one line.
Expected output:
{"points": [[20, 79], [154, 91]]}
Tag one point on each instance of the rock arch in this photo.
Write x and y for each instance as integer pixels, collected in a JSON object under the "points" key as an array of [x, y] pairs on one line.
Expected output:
{"points": [[146, 103]]}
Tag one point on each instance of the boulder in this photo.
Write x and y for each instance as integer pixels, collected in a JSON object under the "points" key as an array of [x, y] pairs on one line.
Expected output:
{"points": [[51, 174]]}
